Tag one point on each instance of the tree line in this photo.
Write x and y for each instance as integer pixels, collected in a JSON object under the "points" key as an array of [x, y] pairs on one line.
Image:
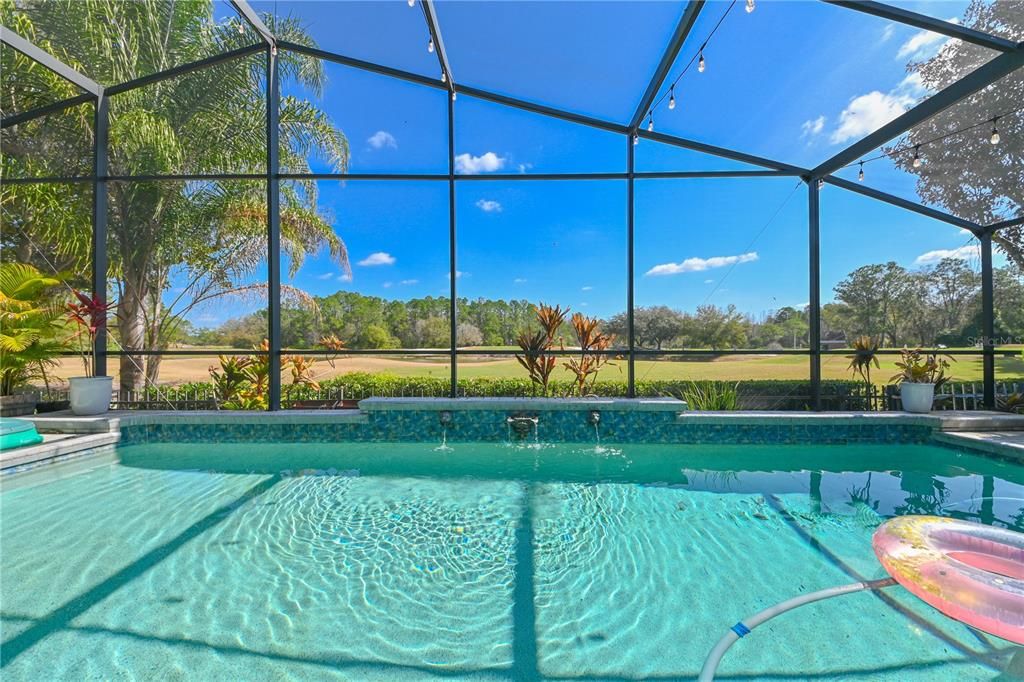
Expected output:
{"points": [[939, 304]]}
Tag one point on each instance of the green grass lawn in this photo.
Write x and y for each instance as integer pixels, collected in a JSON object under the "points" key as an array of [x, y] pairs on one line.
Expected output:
{"points": [[739, 368]]}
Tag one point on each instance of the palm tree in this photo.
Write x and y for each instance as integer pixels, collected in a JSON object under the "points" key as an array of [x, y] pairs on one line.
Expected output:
{"points": [[30, 321], [206, 239]]}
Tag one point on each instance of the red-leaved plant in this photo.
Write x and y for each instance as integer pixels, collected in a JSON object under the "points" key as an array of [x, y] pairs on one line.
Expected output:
{"points": [[90, 315]]}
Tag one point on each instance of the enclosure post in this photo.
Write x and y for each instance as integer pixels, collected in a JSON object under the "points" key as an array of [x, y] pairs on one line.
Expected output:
{"points": [[101, 124], [630, 179], [814, 297], [988, 331], [273, 231], [452, 272]]}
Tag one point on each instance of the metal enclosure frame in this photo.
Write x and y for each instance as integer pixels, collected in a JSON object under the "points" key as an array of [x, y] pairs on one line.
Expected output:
{"points": [[1011, 59]]}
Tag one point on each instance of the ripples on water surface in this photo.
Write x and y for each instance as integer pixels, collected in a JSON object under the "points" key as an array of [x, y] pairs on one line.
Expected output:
{"points": [[399, 561]]}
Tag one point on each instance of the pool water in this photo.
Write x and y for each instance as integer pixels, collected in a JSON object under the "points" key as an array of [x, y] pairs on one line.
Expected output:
{"points": [[484, 561]]}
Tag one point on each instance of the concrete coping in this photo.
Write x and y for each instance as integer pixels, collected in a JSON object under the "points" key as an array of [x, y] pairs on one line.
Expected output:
{"points": [[65, 422], [522, 404]]}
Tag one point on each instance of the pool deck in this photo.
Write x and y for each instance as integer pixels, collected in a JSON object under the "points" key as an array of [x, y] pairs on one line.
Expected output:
{"points": [[66, 435]]}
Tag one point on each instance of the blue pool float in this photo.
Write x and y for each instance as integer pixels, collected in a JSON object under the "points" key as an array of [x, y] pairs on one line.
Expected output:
{"points": [[17, 433]]}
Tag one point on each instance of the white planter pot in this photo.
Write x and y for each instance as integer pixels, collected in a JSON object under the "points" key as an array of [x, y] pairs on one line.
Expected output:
{"points": [[91, 395], [917, 398]]}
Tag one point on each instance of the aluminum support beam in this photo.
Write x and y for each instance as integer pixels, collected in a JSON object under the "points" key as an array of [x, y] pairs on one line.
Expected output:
{"points": [[988, 333], [430, 15], [682, 31], [273, 229], [250, 15], [978, 79], [101, 121], [946, 28], [49, 61]]}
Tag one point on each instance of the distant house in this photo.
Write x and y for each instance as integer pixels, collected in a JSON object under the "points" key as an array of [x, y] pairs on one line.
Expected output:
{"points": [[833, 340]]}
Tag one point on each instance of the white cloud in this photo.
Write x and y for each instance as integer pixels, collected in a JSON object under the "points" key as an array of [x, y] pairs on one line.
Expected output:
{"points": [[887, 32], [488, 162], [867, 113], [923, 44], [812, 127], [386, 285], [587, 288], [326, 275], [459, 274], [409, 282], [709, 281], [378, 258], [344, 277], [382, 139], [963, 253], [523, 167], [488, 206], [519, 280], [701, 264]]}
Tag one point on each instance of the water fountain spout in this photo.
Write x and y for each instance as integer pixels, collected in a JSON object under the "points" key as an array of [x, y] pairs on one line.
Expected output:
{"points": [[522, 425], [594, 417], [445, 417]]}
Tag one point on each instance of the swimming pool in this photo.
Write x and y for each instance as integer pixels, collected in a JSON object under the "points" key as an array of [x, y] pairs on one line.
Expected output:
{"points": [[273, 560]]}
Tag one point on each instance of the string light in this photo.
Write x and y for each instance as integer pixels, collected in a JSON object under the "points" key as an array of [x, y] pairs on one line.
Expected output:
{"points": [[860, 175], [453, 95], [636, 139], [650, 121], [700, 63], [672, 97], [444, 77], [430, 45], [916, 163], [412, 3], [750, 6], [994, 138], [241, 27], [821, 184]]}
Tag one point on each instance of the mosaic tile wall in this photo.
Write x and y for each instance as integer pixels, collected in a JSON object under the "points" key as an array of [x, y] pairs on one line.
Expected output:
{"points": [[553, 427]]}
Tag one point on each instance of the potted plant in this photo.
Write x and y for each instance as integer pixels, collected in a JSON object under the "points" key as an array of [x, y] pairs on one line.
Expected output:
{"points": [[920, 374], [89, 394], [29, 322]]}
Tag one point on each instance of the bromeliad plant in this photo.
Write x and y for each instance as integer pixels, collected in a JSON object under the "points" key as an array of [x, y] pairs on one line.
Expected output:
{"points": [[536, 346], [865, 354], [243, 383], [593, 345], [917, 367], [90, 316]]}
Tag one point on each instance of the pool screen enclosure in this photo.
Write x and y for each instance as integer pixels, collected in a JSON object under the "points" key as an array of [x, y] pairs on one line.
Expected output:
{"points": [[1010, 57]]}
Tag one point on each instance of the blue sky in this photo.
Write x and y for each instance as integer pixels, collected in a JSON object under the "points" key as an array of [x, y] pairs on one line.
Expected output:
{"points": [[796, 81]]}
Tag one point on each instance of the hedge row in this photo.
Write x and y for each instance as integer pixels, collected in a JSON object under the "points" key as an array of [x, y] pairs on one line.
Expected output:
{"points": [[753, 394]]}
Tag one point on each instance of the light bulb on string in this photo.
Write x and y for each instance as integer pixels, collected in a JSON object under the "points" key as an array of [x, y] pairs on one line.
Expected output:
{"points": [[860, 175], [672, 97], [444, 77], [636, 139], [241, 27], [412, 3], [995, 132], [430, 45], [916, 163], [453, 95], [700, 63], [821, 184], [750, 6], [650, 121]]}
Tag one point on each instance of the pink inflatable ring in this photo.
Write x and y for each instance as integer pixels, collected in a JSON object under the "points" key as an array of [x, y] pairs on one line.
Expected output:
{"points": [[970, 572]]}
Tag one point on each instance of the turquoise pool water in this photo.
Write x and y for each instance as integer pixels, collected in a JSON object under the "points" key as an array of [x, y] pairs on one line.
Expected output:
{"points": [[484, 561]]}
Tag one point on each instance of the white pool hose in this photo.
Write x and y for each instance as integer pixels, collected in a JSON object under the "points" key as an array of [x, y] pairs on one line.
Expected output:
{"points": [[742, 628]]}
